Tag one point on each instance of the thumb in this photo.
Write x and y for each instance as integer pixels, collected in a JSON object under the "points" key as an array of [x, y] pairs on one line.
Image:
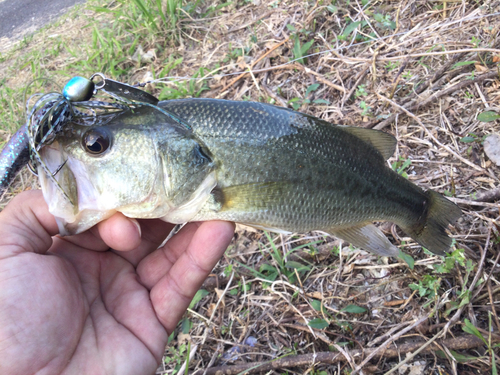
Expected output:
{"points": [[26, 225]]}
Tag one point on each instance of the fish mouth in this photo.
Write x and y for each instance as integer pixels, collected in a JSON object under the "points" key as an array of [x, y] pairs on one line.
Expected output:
{"points": [[69, 199]]}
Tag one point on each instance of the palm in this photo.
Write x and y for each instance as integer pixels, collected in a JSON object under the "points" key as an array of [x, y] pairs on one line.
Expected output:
{"points": [[82, 309]]}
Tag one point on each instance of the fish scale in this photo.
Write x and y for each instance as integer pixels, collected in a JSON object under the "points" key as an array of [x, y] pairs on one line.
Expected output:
{"points": [[339, 173], [260, 165]]}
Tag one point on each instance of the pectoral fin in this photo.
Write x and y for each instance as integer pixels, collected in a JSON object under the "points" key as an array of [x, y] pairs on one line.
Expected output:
{"points": [[367, 237], [253, 197]]}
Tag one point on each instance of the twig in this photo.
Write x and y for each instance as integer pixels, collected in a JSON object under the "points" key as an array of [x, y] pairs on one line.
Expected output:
{"points": [[251, 22], [483, 296], [430, 134], [279, 100], [191, 356], [215, 308], [417, 105], [416, 352], [253, 64], [480, 266], [422, 54], [322, 79], [421, 88], [473, 203], [493, 310], [363, 74], [284, 283], [398, 77], [488, 195], [389, 341], [458, 343]]}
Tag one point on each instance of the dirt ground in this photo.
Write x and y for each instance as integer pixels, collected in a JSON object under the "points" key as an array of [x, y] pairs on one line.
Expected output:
{"points": [[423, 71]]}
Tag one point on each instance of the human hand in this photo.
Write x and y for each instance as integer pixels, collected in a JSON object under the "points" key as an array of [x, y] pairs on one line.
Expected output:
{"points": [[69, 305]]}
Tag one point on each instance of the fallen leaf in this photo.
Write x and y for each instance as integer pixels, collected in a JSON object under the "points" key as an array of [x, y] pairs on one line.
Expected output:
{"points": [[481, 68], [183, 338], [395, 302], [317, 295], [220, 294], [348, 268], [492, 148]]}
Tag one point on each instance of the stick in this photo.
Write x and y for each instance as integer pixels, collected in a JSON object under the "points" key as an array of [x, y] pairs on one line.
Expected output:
{"points": [[390, 340], [470, 164], [473, 203], [458, 343], [417, 105], [488, 195], [253, 64], [251, 22], [363, 74], [421, 88]]}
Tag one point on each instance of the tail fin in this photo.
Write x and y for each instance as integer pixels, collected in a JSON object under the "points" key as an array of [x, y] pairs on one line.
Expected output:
{"points": [[430, 230]]}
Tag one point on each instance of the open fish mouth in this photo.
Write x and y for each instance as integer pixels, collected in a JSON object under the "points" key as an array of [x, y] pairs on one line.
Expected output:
{"points": [[71, 200], [54, 112]]}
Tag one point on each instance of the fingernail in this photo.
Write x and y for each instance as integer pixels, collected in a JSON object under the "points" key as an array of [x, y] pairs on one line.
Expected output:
{"points": [[137, 225]]}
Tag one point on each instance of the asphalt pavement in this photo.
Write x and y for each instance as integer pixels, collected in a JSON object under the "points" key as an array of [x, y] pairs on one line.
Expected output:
{"points": [[18, 17]]}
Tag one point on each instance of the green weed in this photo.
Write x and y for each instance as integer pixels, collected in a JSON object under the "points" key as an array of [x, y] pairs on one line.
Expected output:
{"points": [[469, 95], [427, 287], [360, 91], [407, 75], [430, 285], [488, 116], [463, 297], [233, 54], [472, 137], [366, 109], [157, 17], [288, 269], [191, 88], [300, 50], [471, 329], [391, 65], [385, 21], [296, 103], [327, 318], [401, 165], [176, 356]]}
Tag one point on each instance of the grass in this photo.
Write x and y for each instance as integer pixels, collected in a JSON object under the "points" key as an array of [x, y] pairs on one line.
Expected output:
{"points": [[109, 39], [310, 294]]}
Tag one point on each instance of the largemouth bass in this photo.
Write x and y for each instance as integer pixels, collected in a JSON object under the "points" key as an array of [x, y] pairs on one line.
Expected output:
{"points": [[251, 163]]}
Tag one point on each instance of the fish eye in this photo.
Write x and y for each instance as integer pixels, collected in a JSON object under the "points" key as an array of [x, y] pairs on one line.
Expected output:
{"points": [[96, 141]]}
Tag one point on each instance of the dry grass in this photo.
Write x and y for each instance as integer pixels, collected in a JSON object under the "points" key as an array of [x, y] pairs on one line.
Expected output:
{"points": [[424, 78]]}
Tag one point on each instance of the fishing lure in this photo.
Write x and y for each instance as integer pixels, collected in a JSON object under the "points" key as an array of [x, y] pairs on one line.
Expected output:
{"points": [[54, 112]]}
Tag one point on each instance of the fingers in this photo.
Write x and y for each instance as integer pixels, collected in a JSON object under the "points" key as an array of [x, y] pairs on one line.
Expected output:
{"points": [[117, 232], [153, 233], [157, 264], [26, 225], [120, 232], [130, 238], [176, 272]]}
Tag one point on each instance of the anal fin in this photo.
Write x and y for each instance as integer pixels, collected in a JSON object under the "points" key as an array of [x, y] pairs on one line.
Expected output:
{"points": [[368, 237]]}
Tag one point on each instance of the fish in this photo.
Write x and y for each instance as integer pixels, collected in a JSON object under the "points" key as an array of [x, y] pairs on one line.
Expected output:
{"points": [[264, 166]]}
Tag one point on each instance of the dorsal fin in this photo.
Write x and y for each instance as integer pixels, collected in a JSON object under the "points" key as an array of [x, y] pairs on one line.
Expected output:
{"points": [[383, 142]]}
